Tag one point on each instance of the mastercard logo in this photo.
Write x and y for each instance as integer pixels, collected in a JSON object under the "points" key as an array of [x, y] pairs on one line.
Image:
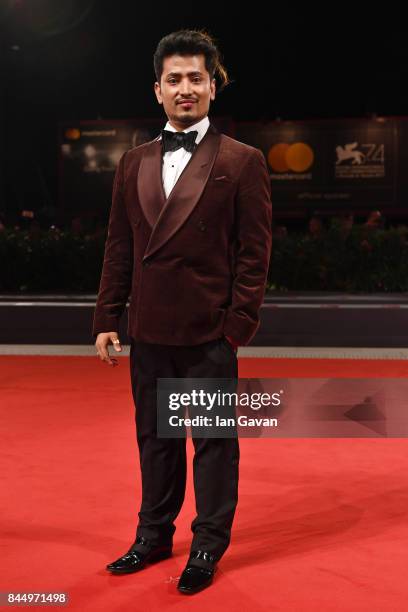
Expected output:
{"points": [[296, 157], [72, 134]]}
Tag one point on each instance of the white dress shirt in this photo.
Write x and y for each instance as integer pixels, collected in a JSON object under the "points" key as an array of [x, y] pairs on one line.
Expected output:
{"points": [[174, 162]]}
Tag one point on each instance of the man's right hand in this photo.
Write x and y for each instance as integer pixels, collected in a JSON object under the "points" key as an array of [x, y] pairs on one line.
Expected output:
{"points": [[103, 340]]}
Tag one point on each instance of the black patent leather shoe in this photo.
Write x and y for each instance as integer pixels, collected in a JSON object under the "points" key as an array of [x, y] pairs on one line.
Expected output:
{"points": [[194, 578], [135, 560]]}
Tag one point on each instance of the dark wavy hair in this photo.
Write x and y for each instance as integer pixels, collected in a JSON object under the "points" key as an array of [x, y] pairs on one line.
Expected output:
{"points": [[192, 42]]}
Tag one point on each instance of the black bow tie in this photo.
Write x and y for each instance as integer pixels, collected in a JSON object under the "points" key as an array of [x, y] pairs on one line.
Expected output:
{"points": [[171, 141]]}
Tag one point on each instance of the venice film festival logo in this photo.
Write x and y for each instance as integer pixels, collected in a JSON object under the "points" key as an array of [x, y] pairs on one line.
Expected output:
{"points": [[360, 160]]}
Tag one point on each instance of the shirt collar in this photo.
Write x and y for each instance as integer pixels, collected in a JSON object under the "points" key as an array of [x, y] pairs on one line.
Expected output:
{"points": [[201, 127]]}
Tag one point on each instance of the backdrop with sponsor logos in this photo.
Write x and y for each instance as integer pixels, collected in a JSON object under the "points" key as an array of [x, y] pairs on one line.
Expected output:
{"points": [[342, 165], [89, 154]]}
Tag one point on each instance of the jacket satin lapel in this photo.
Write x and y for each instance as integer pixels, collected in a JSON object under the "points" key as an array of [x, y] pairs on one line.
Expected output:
{"points": [[184, 195], [149, 182]]}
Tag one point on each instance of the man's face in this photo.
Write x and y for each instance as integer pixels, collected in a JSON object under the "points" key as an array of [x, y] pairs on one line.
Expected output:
{"points": [[185, 78]]}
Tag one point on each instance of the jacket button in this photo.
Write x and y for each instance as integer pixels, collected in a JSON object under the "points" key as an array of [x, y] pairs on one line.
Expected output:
{"points": [[145, 264], [201, 225]]}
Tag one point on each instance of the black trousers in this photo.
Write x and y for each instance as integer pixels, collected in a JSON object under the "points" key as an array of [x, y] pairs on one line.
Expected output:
{"points": [[163, 460]]}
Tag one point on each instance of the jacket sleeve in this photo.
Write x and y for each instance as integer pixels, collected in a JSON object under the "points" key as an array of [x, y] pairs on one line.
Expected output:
{"points": [[253, 249], [116, 277]]}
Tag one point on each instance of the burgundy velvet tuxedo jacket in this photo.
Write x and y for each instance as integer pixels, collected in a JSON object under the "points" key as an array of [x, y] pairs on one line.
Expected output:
{"points": [[195, 264]]}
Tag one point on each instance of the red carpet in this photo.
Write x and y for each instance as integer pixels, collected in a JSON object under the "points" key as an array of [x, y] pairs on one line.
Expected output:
{"points": [[321, 522]]}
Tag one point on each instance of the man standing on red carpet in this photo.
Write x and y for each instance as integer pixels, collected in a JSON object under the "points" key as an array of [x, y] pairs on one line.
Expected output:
{"points": [[189, 239]]}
